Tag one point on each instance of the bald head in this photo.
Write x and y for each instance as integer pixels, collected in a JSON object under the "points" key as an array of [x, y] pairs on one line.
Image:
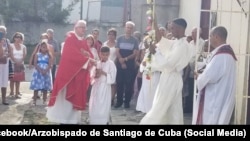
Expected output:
{"points": [[80, 28], [195, 29], [194, 32], [221, 32], [218, 36]]}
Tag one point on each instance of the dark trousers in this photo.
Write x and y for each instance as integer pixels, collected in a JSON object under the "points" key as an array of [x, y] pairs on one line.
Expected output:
{"points": [[89, 92], [53, 72], [125, 83], [189, 99]]}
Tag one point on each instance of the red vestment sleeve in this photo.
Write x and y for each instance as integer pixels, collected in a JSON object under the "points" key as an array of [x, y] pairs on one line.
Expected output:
{"points": [[70, 73]]}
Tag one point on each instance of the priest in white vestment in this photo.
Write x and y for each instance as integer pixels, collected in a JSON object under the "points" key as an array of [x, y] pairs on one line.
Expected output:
{"points": [[216, 84], [101, 95], [171, 58]]}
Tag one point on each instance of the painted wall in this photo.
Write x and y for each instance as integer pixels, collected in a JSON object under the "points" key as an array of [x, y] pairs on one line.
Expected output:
{"points": [[190, 10], [166, 10]]}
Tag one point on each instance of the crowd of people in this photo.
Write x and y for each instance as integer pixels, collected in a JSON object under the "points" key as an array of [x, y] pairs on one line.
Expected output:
{"points": [[94, 75]]}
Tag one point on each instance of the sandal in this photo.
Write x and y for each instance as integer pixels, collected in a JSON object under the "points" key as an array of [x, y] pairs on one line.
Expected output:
{"points": [[17, 97], [33, 103], [11, 94], [19, 94]]}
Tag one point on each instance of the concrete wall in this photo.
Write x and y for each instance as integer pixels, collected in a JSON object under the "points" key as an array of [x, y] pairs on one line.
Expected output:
{"points": [[190, 10], [32, 31], [166, 10]]}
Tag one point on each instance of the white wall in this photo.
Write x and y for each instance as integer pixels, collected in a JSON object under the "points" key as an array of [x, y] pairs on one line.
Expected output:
{"points": [[190, 10]]}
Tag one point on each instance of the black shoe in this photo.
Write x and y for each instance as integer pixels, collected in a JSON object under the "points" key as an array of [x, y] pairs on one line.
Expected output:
{"points": [[118, 105], [126, 106], [5, 103]]}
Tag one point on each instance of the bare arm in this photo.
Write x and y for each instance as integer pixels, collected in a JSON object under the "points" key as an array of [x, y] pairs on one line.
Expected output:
{"points": [[33, 54], [1, 50], [138, 58], [35, 63], [121, 60], [118, 53], [24, 53], [132, 56], [50, 63], [11, 55]]}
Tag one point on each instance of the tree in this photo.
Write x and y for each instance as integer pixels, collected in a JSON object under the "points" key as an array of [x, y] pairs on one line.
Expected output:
{"points": [[35, 10]]}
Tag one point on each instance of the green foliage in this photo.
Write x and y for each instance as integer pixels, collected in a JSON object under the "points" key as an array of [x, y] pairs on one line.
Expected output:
{"points": [[56, 15], [35, 10]]}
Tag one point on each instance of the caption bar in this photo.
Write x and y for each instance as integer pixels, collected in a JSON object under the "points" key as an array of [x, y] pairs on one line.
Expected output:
{"points": [[128, 133]]}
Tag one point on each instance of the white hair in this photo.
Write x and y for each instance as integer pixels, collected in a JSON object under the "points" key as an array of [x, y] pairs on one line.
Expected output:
{"points": [[80, 22], [3, 28], [130, 23], [50, 31]]}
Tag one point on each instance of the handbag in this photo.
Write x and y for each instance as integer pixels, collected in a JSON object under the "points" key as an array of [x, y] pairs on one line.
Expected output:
{"points": [[18, 76]]}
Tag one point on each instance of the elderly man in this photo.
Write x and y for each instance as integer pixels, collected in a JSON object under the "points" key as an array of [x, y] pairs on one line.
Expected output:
{"points": [[55, 51], [216, 84], [69, 94], [198, 46], [127, 47]]}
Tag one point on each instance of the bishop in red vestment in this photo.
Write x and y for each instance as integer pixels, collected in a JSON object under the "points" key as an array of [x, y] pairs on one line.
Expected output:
{"points": [[72, 80]]}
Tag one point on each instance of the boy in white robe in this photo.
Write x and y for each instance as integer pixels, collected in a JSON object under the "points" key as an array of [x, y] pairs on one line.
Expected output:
{"points": [[100, 97], [170, 59]]}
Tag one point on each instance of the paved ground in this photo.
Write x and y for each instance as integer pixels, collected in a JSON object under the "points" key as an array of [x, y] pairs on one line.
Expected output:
{"points": [[20, 111]]}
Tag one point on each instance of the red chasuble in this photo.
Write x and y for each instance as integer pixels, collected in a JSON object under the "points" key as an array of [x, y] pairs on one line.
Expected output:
{"points": [[70, 73]]}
